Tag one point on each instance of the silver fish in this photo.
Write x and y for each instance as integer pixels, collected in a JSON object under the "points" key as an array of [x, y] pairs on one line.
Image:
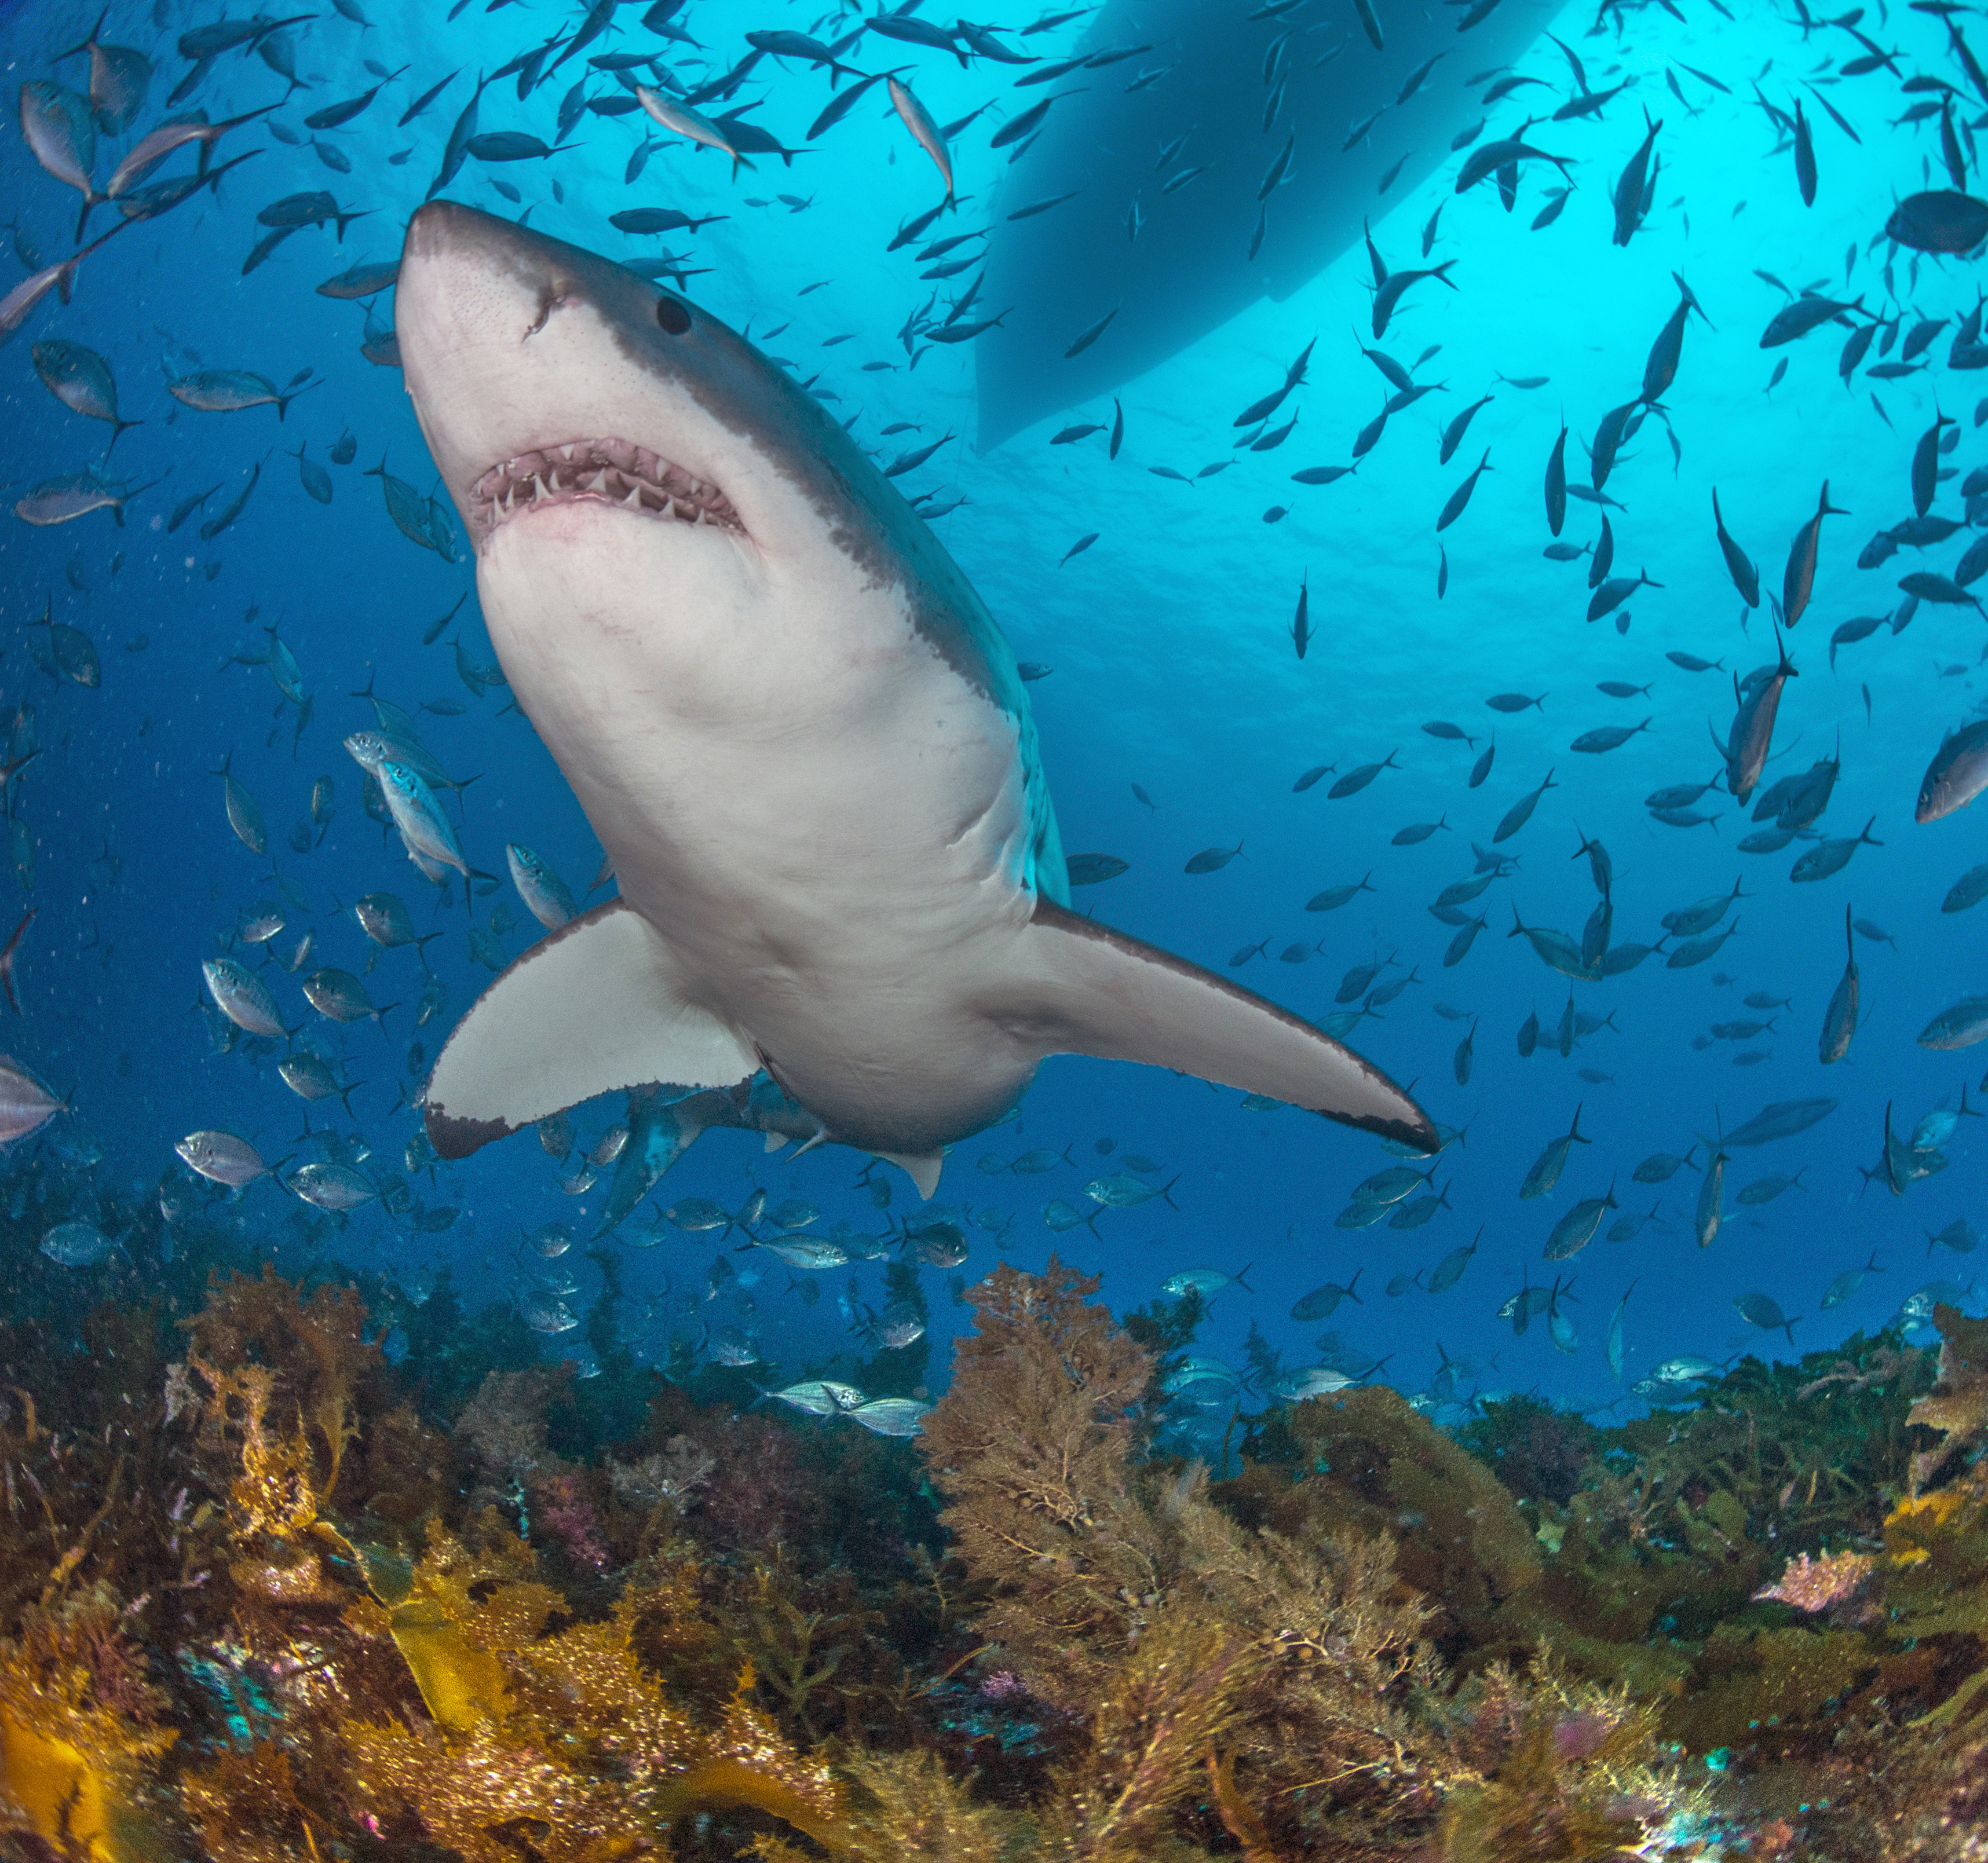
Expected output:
{"points": [[891, 1416], [311, 1078], [1958, 773], [547, 896], [331, 1185], [1839, 1021], [821, 1397], [1758, 1310], [340, 997], [76, 1245], [71, 495], [418, 816], [1961, 1026], [1846, 1284], [1709, 1214], [1547, 1168], [1576, 1230], [1751, 737], [242, 997], [229, 391], [60, 130], [222, 1157], [26, 1105], [80, 379], [1313, 1380]]}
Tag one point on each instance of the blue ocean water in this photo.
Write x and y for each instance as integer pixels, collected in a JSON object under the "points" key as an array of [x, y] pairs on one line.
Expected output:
{"points": [[1176, 715]]}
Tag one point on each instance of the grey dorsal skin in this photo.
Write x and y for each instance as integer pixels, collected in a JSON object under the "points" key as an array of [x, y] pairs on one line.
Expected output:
{"points": [[799, 735]]}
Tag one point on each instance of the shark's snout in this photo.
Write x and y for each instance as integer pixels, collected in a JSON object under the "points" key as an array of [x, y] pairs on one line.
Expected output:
{"points": [[469, 277], [444, 233], [594, 361]]}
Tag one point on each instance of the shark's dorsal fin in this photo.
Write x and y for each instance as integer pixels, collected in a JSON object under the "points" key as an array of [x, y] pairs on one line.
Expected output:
{"points": [[1086, 989], [597, 1008]]}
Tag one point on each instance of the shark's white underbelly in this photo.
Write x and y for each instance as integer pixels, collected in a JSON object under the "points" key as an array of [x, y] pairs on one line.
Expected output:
{"points": [[828, 829]]}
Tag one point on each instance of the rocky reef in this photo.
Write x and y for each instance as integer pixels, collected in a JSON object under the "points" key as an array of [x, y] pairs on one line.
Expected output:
{"points": [[267, 1595]]}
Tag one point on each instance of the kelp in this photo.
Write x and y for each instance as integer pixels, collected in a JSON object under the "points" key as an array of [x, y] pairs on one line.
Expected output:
{"points": [[566, 1739], [1957, 1405], [1367, 1461], [1032, 1445], [258, 1344], [79, 1722], [1817, 1448], [1270, 1644]]}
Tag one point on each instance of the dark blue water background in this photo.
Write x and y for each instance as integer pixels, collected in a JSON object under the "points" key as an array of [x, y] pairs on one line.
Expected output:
{"points": [[1173, 669]]}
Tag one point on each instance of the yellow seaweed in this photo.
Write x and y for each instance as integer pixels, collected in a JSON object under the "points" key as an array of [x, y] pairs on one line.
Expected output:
{"points": [[57, 1787]]}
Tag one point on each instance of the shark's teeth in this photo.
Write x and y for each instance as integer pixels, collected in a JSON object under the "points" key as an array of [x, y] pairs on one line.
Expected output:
{"points": [[611, 471]]}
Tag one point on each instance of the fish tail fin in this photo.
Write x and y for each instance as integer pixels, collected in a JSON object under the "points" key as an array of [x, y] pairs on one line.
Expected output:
{"points": [[117, 428], [89, 44], [1237, 1277]]}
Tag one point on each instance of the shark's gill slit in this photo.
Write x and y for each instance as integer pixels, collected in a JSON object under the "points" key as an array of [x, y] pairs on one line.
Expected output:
{"points": [[608, 471]]}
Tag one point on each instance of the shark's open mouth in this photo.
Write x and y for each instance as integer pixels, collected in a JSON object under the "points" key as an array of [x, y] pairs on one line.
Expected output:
{"points": [[610, 471]]}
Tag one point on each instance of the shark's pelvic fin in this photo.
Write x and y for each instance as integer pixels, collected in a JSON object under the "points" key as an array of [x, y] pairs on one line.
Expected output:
{"points": [[596, 1007], [1085, 988], [922, 1168]]}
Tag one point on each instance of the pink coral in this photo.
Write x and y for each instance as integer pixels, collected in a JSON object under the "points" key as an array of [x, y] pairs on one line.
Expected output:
{"points": [[569, 1516], [1002, 1685], [1815, 1585]]}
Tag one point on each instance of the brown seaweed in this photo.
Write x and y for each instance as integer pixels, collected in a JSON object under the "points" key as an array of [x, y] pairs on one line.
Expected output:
{"points": [[272, 1603]]}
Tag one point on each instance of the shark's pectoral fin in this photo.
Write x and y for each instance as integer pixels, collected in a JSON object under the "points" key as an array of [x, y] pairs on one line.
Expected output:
{"points": [[1086, 989], [596, 1007], [922, 1168]]}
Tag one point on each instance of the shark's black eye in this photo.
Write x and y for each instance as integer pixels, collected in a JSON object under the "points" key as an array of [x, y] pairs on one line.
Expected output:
{"points": [[671, 314]]}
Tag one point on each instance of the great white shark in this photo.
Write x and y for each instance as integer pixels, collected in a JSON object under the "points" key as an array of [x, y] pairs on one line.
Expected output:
{"points": [[798, 732]]}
